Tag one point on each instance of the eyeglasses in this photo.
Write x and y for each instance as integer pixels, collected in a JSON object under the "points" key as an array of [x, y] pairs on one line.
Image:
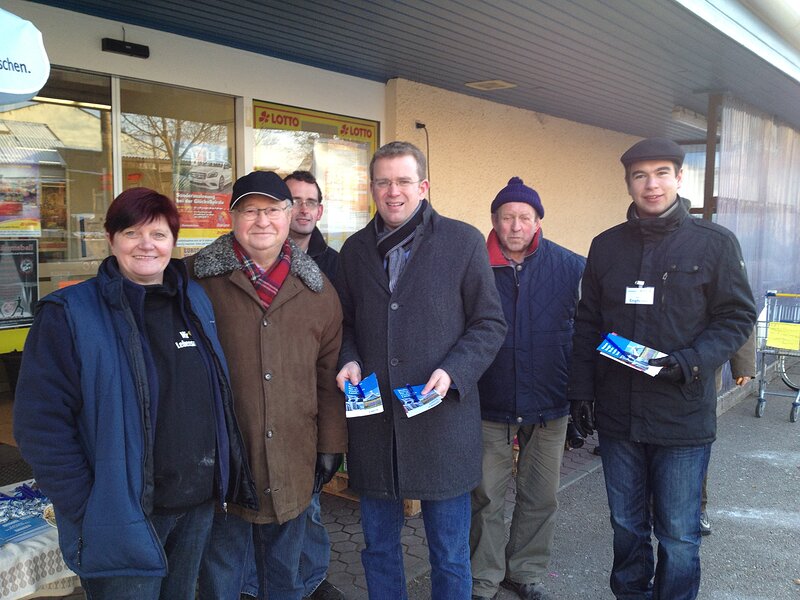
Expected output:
{"points": [[310, 204], [272, 213], [403, 184]]}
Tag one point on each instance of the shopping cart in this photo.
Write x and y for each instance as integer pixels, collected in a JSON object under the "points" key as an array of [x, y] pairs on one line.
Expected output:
{"points": [[778, 335]]}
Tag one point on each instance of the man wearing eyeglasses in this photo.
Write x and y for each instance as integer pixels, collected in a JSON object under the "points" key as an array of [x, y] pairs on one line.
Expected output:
{"points": [[306, 213], [420, 308], [678, 285], [279, 323]]}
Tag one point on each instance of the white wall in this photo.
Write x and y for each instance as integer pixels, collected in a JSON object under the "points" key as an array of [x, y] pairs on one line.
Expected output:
{"points": [[73, 40]]}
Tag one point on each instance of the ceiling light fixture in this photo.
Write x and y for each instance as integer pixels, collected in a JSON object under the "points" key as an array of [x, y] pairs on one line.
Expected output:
{"points": [[490, 85], [689, 117]]}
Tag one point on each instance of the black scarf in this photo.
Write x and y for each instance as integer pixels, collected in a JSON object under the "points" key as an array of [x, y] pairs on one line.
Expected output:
{"points": [[392, 245], [654, 228]]}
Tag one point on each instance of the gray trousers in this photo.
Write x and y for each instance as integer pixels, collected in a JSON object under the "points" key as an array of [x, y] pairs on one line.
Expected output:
{"points": [[523, 555]]}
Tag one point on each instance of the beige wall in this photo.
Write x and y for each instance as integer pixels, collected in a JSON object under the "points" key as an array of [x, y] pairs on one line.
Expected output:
{"points": [[477, 145]]}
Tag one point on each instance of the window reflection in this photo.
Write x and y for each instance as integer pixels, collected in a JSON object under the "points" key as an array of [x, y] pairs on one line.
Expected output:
{"points": [[55, 174], [181, 143]]}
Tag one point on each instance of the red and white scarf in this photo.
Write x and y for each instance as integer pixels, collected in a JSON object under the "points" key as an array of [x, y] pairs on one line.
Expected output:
{"points": [[266, 282]]}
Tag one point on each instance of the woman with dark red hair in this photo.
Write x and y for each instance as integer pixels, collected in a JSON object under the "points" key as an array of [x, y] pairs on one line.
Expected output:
{"points": [[124, 411]]}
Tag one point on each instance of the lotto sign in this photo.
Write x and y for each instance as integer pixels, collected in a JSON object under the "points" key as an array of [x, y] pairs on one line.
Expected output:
{"points": [[267, 115]]}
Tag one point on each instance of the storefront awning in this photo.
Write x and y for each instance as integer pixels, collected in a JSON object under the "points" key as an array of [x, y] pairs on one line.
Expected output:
{"points": [[24, 67]]}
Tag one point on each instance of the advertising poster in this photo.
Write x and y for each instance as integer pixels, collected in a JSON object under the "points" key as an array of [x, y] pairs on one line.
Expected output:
{"points": [[19, 282], [19, 202], [204, 217]]}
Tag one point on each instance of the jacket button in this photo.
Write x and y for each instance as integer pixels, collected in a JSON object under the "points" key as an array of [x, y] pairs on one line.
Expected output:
{"points": [[267, 491], [394, 306], [519, 267], [695, 369], [268, 376], [269, 433], [519, 419], [265, 322], [394, 362]]}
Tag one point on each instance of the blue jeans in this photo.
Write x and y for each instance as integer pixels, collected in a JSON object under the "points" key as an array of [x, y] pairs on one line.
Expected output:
{"points": [[315, 555], [277, 556], [184, 536], [277, 550], [229, 550], [672, 476], [447, 529]]}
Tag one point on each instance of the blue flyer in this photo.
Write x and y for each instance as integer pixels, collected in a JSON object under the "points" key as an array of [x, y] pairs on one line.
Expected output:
{"points": [[363, 399], [414, 402]]}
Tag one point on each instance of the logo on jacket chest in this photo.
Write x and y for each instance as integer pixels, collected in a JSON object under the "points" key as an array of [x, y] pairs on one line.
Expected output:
{"points": [[186, 340]]}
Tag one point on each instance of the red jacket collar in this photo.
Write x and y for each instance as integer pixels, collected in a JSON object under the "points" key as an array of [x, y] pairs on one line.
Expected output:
{"points": [[496, 256]]}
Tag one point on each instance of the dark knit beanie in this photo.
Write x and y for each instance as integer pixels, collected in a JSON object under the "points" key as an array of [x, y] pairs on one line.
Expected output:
{"points": [[517, 191]]}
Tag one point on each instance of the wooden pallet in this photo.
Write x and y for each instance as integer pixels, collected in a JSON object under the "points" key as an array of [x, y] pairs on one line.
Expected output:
{"points": [[340, 486]]}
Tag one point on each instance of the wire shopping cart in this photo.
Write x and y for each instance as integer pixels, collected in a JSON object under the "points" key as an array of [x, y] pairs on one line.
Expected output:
{"points": [[778, 334]]}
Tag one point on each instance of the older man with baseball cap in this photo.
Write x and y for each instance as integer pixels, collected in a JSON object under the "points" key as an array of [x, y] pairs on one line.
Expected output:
{"points": [[280, 325], [523, 393], [678, 285]]}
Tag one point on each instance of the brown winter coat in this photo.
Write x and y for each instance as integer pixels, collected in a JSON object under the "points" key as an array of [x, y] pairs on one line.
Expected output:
{"points": [[282, 364]]}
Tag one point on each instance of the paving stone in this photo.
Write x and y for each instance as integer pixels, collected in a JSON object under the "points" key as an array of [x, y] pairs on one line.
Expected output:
{"points": [[338, 536]]}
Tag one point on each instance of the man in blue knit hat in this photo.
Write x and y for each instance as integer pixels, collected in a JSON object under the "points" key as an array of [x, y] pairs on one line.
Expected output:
{"points": [[523, 394]]}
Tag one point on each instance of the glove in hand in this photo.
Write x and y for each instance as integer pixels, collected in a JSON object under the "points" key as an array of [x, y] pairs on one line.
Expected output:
{"points": [[327, 465], [671, 370], [582, 412]]}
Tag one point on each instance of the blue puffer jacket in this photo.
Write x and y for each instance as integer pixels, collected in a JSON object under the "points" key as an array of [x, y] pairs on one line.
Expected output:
{"points": [[82, 418], [527, 382]]}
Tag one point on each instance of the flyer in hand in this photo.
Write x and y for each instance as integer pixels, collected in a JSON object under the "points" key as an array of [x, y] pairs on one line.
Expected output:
{"points": [[414, 402], [629, 353], [363, 399]]}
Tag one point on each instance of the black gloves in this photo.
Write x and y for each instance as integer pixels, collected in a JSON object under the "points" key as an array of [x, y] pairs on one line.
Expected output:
{"points": [[574, 438], [327, 465], [671, 369], [582, 412]]}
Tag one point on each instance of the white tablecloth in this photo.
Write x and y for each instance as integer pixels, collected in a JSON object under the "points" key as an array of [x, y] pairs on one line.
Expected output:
{"points": [[34, 566]]}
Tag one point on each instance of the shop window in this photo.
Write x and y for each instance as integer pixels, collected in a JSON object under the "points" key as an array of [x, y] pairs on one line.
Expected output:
{"points": [[335, 148], [55, 180], [181, 143], [694, 174]]}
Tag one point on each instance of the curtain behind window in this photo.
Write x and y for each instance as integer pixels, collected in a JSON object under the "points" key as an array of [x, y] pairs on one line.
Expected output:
{"points": [[759, 195]]}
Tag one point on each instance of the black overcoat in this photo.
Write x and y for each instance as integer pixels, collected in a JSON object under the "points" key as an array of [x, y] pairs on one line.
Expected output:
{"points": [[444, 313]]}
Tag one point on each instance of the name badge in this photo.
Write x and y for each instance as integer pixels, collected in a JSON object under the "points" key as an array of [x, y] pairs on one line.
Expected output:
{"points": [[639, 295]]}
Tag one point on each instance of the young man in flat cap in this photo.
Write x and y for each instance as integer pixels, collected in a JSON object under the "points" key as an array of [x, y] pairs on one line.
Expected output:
{"points": [[280, 325], [678, 285], [524, 394]]}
